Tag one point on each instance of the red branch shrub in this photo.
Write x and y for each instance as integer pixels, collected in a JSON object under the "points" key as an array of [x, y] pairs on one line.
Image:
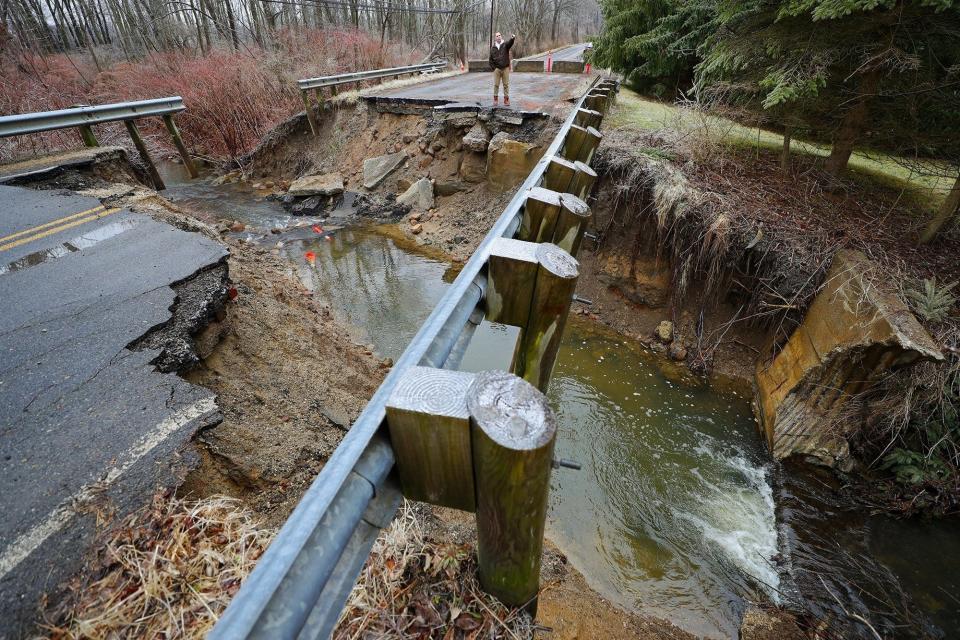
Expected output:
{"points": [[233, 97]]}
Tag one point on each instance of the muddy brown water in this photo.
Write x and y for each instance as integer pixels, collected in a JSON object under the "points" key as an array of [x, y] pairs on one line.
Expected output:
{"points": [[678, 511]]}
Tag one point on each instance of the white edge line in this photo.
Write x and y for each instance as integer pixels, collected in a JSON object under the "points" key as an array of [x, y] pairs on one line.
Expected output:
{"points": [[27, 543]]}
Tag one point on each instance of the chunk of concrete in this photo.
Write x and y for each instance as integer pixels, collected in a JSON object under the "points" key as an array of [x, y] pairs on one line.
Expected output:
{"points": [[477, 139], [473, 167], [568, 66], [375, 170], [856, 330], [325, 184], [510, 161], [528, 66], [419, 195]]}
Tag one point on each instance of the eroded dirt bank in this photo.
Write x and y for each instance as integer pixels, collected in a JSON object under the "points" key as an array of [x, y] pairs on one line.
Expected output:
{"points": [[290, 379]]}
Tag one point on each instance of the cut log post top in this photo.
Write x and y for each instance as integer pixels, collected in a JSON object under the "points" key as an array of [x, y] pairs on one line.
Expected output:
{"points": [[514, 432], [430, 432], [539, 215], [571, 223], [510, 411], [588, 118]]}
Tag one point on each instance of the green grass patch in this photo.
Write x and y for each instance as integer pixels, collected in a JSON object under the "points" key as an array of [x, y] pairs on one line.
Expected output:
{"points": [[641, 114]]}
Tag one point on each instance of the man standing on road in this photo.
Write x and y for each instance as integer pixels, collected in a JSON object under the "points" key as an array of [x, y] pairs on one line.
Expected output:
{"points": [[500, 62]]}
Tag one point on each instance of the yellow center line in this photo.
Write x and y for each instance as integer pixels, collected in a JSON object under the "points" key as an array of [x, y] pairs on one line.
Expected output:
{"points": [[62, 227], [49, 224]]}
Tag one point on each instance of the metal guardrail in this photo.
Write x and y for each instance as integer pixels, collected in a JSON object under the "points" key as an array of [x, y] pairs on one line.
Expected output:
{"points": [[346, 78], [300, 585], [83, 117], [317, 84], [25, 123]]}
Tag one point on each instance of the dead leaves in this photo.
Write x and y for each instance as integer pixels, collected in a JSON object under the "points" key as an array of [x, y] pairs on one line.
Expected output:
{"points": [[165, 572], [414, 588]]}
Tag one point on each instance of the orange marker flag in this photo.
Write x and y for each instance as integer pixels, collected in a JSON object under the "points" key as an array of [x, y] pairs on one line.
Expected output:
{"points": [[311, 256]]}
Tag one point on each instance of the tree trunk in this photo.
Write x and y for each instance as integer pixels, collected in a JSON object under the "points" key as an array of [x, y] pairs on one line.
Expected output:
{"points": [[946, 213], [851, 127], [785, 151]]}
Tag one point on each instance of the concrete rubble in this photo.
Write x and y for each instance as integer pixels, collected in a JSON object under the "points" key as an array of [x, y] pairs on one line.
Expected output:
{"points": [[855, 331], [326, 184], [375, 170], [419, 195]]}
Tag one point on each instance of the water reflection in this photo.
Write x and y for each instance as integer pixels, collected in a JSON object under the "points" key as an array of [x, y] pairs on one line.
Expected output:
{"points": [[83, 241]]}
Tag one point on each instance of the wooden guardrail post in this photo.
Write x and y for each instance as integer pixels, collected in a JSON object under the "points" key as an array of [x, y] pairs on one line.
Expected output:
{"points": [[588, 118], [531, 286], [181, 148], [580, 143], [539, 341], [308, 108], [539, 215], [571, 223], [87, 135], [483, 443], [559, 174], [582, 181], [144, 155], [596, 102], [430, 432], [513, 436]]}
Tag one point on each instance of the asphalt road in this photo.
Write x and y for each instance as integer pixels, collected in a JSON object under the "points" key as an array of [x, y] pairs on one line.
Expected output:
{"points": [[86, 423], [528, 91], [573, 52]]}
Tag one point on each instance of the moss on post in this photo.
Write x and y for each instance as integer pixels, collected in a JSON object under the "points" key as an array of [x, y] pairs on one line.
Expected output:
{"points": [[571, 223], [539, 341], [539, 215], [513, 436], [559, 174], [144, 155], [181, 148], [86, 134]]}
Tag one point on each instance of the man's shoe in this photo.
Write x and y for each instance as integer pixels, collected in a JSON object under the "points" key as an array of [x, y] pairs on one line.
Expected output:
{"points": [[496, 100], [506, 102]]}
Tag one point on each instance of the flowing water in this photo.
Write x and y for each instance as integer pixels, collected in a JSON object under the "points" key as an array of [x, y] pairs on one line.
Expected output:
{"points": [[673, 513]]}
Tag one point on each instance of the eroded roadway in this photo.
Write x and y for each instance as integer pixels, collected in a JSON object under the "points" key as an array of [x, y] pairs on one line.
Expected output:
{"points": [[540, 92], [86, 423]]}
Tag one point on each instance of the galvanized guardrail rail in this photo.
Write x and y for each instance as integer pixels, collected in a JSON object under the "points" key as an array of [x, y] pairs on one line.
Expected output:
{"points": [[333, 82], [301, 583], [84, 117]]}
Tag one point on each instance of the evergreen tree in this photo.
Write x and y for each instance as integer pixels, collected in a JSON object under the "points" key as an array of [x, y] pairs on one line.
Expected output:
{"points": [[830, 63]]}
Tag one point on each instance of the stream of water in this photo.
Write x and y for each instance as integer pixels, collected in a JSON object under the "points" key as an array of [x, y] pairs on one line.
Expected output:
{"points": [[673, 513]]}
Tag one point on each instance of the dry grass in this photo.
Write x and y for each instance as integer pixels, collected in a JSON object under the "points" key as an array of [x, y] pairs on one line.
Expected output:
{"points": [[170, 570], [167, 571], [413, 588]]}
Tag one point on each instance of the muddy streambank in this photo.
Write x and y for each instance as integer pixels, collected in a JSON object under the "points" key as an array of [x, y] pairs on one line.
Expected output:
{"points": [[670, 272]]}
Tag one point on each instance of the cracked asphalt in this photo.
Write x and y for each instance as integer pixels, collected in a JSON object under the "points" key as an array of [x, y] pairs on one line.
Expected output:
{"points": [[88, 427], [528, 91]]}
